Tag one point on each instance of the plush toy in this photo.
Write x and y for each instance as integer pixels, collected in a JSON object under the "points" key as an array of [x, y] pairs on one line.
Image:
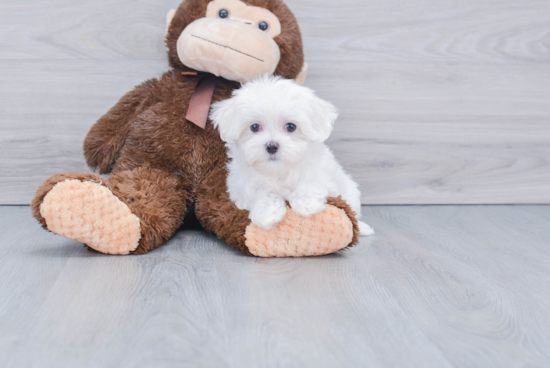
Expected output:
{"points": [[165, 158]]}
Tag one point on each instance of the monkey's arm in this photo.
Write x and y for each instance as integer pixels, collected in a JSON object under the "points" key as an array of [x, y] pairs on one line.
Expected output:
{"points": [[107, 136]]}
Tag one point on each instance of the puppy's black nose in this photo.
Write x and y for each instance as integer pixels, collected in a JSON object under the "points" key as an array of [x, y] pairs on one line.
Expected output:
{"points": [[272, 147]]}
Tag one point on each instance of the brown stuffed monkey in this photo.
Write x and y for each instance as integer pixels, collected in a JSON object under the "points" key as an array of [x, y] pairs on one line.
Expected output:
{"points": [[167, 161]]}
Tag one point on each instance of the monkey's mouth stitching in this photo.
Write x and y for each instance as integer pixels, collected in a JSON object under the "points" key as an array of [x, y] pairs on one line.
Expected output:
{"points": [[227, 47]]}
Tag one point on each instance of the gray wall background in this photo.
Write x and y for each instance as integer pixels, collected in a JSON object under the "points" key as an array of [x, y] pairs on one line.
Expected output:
{"points": [[441, 101]]}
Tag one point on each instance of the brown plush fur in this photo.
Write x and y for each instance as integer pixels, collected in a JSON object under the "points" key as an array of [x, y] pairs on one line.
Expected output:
{"points": [[157, 198], [163, 166], [289, 41]]}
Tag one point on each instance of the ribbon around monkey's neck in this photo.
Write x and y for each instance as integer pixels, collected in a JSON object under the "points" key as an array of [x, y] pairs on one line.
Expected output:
{"points": [[199, 106]]}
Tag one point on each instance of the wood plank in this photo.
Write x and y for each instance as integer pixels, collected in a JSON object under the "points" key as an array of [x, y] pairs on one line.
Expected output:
{"points": [[408, 133], [31, 262], [87, 29], [475, 255], [441, 134], [426, 31], [438, 286], [440, 102], [46, 110], [367, 30]]}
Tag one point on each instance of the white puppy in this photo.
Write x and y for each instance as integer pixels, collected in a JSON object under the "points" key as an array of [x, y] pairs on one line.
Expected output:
{"points": [[274, 130]]}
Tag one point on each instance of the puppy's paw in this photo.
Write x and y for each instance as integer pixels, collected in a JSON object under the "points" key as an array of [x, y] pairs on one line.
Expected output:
{"points": [[307, 206], [268, 212], [365, 230]]}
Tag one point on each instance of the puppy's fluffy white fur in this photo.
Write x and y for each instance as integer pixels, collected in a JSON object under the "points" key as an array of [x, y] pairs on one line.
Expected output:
{"points": [[303, 171]]}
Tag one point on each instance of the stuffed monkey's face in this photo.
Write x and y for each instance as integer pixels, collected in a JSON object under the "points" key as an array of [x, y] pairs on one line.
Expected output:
{"points": [[234, 41]]}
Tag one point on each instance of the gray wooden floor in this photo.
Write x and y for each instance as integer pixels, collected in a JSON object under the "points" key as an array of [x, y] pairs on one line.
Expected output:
{"points": [[452, 286]]}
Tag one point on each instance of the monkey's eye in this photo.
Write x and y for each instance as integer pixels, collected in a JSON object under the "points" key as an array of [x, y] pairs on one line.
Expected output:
{"points": [[223, 13], [290, 127], [263, 26], [255, 128]]}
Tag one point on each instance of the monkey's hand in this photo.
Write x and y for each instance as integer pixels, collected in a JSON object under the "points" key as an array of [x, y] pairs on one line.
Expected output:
{"points": [[107, 136]]}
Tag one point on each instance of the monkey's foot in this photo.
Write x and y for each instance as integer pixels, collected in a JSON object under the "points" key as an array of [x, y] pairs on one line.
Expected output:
{"points": [[296, 236], [89, 213]]}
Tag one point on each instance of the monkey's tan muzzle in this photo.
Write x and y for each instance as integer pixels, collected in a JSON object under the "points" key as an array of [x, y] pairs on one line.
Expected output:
{"points": [[231, 50]]}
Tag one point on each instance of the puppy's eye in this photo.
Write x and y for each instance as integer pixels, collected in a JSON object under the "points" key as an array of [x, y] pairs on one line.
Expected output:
{"points": [[223, 13], [290, 127], [263, 26], [255, 128]]}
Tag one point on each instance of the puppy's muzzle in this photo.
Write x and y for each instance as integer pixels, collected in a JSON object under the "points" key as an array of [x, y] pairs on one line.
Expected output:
{"points": [[272, 148]]}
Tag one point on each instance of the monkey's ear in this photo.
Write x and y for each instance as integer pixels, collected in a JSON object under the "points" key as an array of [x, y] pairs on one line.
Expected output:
{"points": [[301, 78], [169, 18]]}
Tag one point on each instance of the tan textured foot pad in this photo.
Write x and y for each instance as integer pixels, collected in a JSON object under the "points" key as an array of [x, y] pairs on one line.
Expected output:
{"points": [[296, 236], [89, 213]]}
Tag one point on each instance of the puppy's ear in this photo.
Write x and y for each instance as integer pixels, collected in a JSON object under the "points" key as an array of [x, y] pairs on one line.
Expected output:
{"points": [[323, 117], [223, 117]]}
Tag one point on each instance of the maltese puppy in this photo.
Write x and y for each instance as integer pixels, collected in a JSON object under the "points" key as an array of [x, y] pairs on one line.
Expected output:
{"points": [[274, 130]]}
